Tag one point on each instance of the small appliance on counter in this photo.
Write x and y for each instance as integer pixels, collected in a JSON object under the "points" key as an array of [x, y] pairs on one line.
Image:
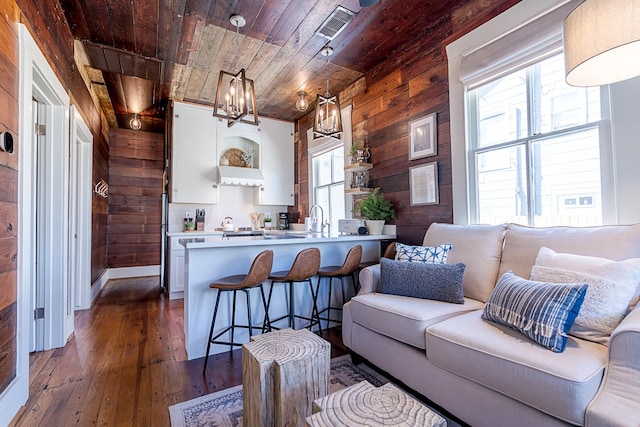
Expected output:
{"points": [[283, 220], [227, 224], [199, 219], [349, 226]]}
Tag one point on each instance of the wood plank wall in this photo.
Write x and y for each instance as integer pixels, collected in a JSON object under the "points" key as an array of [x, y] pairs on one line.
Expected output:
{"points": [[411, 84], [44, 19], [9, 81], [135, 190]]}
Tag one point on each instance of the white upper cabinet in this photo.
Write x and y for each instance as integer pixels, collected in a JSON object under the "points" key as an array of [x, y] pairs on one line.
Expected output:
{"points": [[276, 162], [193, 154]]}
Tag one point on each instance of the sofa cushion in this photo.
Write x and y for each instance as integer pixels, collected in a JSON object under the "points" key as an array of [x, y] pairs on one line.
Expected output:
{"points": [[402, 318], [429, 254], [440, 282], [521, 244], [479, 247], [500, 358], [625, 273], [541, 311], [604, 306]]}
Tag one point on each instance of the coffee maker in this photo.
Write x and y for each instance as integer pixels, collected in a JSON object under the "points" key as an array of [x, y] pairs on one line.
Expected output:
{"points": [[283, 220]]}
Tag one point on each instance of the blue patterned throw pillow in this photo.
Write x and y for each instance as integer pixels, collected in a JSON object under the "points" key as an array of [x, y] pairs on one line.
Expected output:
{"points": [[428, 254], [543, 312]]}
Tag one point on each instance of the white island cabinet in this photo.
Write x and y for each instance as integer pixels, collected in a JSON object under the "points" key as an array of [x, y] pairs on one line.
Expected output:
{"points": [[193, 154], [276, 163]]}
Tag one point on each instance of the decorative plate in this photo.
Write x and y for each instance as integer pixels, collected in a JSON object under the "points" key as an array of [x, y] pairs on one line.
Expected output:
{"points": [[234, 155]]}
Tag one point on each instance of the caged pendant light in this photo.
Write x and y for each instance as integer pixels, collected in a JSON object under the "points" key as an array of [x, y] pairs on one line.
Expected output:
{"points": [[327, 122], [235, 97]]}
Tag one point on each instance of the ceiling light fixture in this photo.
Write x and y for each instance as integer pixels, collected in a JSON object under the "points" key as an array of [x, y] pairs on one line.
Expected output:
{"points": [[135, 123], [328, 121], [302, 104], [602, 42], [238, 103]]}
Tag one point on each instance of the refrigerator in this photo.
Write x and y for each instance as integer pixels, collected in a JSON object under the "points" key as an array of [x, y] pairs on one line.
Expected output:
{"points": [[164, 246]]}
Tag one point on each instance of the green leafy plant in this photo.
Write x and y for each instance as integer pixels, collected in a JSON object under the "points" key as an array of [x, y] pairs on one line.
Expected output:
{"points": [[376, 206], [354, 149], [189, 224]]}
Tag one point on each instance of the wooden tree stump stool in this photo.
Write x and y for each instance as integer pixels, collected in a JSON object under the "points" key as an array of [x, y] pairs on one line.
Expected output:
{"points": [[283, 372], [363, 404]]}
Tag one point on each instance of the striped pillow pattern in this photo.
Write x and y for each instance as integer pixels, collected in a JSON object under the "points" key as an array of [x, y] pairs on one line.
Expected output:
{"points": [[426, 254], [543, 312]]}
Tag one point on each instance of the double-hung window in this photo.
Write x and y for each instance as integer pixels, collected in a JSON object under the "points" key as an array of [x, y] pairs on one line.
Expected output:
{"points": [[328, 183], [534, 148]]}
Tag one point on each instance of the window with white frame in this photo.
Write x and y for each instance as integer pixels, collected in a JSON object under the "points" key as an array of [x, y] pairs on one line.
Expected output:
{"points": [[328, 183], [534, 148]]}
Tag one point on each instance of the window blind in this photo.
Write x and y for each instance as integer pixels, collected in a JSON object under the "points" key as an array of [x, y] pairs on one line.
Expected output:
{"points": [[517, 49]]}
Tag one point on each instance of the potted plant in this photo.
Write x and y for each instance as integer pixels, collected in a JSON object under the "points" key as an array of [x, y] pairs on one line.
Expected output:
{"points": [[267, 222], [376, 209], [189, 226], [353, 151]]}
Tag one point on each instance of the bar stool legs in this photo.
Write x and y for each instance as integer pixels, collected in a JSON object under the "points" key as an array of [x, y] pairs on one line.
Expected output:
{"points": [[347, 269], [233, 326], [258, 273], [304, 267]]}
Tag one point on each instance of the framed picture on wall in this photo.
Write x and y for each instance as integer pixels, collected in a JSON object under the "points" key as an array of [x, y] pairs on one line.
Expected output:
{"points": [[423, 184], [423, 138]]}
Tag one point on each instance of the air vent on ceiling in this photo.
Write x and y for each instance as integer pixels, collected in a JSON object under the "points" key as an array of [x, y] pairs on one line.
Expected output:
{"points": [[335, 23]]}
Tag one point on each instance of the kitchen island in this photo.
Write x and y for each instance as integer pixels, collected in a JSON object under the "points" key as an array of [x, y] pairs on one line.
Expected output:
{"points": [[212, 257]]}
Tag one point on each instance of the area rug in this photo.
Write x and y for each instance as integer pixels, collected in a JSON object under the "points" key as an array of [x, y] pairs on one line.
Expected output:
{"points": [[224, 408]]}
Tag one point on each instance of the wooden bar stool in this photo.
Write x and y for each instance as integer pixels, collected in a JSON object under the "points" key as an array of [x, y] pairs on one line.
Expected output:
{"points": [[258, 273], [304, 267], [389, 253], [347, 269]]}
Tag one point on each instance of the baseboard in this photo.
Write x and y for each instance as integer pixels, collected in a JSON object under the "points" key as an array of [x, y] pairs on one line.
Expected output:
{"points": [[97, 286], [128, 272]]}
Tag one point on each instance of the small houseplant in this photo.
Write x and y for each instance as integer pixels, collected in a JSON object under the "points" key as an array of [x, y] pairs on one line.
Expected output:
{"points": [[376, 208], [189, 226]]}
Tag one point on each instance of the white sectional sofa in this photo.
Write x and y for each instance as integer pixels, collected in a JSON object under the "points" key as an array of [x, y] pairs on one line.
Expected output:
{"points": [[486, 374]]}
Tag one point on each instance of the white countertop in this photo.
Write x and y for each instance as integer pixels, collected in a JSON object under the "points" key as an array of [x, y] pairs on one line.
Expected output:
{"points": [[276, 238], [193, 233]]}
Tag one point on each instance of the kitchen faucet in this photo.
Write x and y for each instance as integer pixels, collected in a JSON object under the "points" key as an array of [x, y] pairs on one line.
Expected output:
{"points": [[316, 225]]}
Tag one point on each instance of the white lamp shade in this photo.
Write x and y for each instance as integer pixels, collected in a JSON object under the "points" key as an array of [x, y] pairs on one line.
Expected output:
{"points": [[602, 42]]}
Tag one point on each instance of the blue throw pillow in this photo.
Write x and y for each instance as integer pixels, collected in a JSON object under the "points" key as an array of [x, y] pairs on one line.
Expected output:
{"points": [[433, 255], [543, 312], [440, 282]]}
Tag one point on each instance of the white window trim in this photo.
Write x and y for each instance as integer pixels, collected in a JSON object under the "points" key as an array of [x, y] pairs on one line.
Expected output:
{"points": [[322, 145], [515, 17]]}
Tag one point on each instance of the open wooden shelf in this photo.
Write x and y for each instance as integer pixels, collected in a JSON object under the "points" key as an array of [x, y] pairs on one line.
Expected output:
{"points": [[358, 167], [358, 190]]}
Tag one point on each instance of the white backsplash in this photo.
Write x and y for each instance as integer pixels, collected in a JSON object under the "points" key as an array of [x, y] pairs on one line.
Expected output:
{"points": [[236, 202]]}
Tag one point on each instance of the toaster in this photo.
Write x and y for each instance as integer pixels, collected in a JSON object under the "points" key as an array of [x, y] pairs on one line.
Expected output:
{"points": [[349, 226]]}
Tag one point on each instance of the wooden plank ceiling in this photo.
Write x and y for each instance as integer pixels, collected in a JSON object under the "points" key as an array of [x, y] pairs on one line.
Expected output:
{"points": [[151, 51]]}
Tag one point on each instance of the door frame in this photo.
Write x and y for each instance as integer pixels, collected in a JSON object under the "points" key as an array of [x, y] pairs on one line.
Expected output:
{"points": [[35, 70], [80, 213]]}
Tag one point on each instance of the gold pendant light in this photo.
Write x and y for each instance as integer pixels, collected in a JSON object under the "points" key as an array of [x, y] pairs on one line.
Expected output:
{"points": [[235, 97], [327, 122]]}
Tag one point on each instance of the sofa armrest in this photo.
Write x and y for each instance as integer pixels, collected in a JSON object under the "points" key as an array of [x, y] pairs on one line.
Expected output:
{"points": [[616, 403], [369, 279]]}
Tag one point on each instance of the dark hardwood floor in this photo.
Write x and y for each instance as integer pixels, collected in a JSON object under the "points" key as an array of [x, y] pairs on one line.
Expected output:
{"points": [[126, 363]]}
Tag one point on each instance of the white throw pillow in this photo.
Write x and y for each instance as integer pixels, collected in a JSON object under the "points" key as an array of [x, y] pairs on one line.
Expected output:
{"points": [[624, 275], [605, 303]]}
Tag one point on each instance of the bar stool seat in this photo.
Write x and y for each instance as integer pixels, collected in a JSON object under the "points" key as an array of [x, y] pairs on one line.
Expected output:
{"points": [[304, 267], [347, 269], [258, 273]]}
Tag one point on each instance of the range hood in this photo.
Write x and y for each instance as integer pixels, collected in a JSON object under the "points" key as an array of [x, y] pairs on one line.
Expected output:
{"points": [[231, 175]]}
